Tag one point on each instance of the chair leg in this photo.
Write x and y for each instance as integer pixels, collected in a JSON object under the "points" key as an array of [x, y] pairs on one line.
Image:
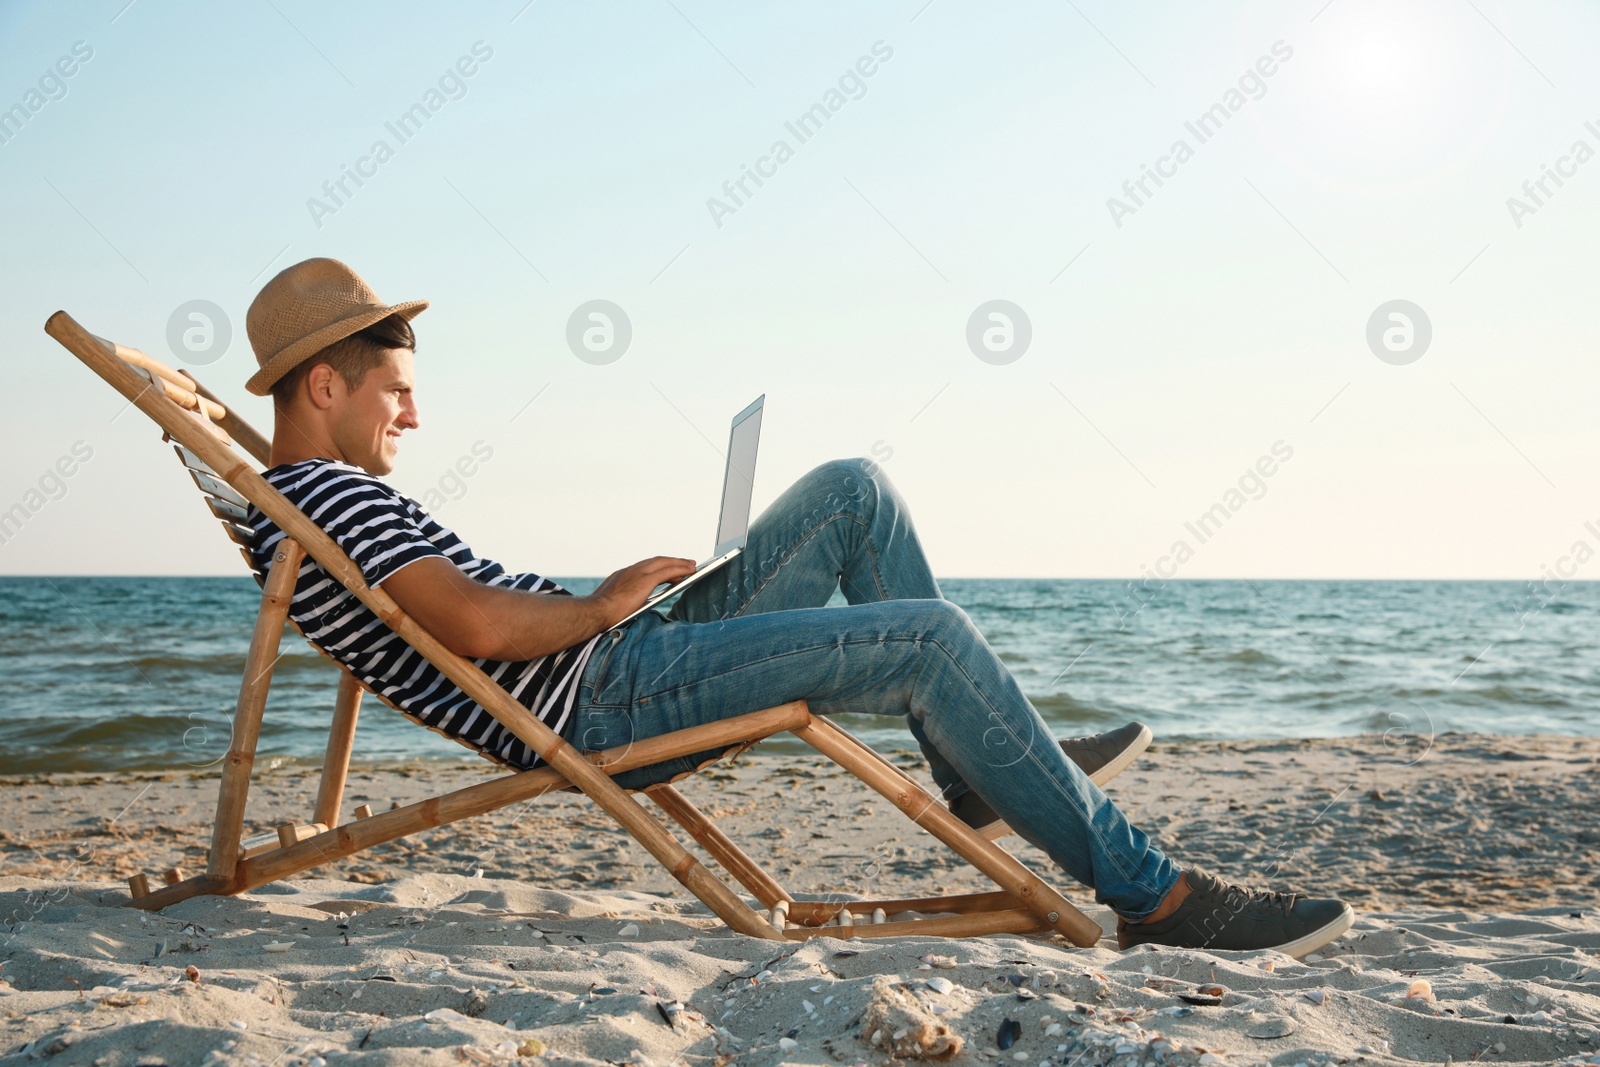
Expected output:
{"points": [[914, 801], [733, 859], [240, 760], [341, 742]]}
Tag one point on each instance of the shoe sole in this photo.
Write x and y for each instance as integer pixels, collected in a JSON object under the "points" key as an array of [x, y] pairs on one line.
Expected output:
{"points": [[1124, 759], [1300, 946]]}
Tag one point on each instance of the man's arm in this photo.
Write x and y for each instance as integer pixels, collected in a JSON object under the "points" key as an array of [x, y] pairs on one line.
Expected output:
{"points": [[476, 620]]}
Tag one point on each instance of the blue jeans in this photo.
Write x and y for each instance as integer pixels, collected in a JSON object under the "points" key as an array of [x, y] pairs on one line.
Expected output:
{"points": [[757, 634]]}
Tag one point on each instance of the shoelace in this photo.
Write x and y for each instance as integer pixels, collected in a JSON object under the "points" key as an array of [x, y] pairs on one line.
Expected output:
{"points": [[1265, 899]]}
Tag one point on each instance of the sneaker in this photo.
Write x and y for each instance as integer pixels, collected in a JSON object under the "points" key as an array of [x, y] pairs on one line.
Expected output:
{"points": [[1101, 756], [1219, 915]]}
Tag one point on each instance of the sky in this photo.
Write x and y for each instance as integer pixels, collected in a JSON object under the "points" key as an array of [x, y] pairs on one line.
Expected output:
{"points": [[1348, 324]]}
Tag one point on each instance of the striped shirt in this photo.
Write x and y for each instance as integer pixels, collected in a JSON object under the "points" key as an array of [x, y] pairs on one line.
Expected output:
{"points": [[382, 531]]}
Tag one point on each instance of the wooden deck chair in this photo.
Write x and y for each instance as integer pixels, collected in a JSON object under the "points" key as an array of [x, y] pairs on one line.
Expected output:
{"points": [[204, 430]]}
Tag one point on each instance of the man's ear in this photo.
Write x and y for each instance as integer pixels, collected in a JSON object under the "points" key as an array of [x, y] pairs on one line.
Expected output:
{"points": [[319, 384]]}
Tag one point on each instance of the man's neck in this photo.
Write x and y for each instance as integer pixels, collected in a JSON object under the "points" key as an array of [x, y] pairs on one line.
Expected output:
{"points": [[291, 444]]}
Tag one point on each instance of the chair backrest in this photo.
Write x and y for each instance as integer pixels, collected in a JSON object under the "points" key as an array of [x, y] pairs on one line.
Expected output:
{"points": [[183, 389]]}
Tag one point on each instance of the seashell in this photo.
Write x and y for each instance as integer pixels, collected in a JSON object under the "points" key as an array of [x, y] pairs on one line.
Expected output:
{"points": [[1123, 1049], [1316, 996], [446, 1015], [808, 1006], [1008, 1033], [940, 985], [277, 946], [1212, 990], [1421, 989], [788, 1044], [1026, 994], [1201, 999], [1052, 1030], [631, 930]]}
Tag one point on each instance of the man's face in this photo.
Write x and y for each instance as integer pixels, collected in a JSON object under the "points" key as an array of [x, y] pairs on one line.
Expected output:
{"points": [[367, 422]]}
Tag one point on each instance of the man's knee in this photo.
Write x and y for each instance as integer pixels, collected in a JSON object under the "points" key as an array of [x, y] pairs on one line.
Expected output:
{"points": [[854, 485], [936, 618]]}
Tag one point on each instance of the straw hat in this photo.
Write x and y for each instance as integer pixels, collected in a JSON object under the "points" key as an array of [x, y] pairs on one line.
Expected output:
{"points": [[306, 308]]}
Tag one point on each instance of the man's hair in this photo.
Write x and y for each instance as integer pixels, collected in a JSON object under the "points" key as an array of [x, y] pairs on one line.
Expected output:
{"points": [[351, 357]]}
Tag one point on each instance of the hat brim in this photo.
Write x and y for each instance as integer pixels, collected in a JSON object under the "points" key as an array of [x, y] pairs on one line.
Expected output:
{"points": [[262, 381]]}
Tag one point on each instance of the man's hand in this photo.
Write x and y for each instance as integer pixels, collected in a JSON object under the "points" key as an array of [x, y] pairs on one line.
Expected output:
{"points": [[625, 592], [483, 621]]}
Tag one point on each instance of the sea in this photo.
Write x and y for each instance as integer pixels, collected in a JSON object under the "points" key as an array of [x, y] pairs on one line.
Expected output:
{"points": [[115, 673]]}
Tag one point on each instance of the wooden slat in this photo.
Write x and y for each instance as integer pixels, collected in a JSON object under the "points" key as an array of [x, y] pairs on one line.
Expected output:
{"points": [[147, 363], [227, 512], [180, 395], [219, 489], [1018, 921], [255, 846], [192, 461], [239, 535], [817, 912]]}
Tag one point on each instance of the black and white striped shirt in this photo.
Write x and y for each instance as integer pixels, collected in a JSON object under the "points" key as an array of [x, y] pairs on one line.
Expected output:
{"points": [[382, 531]]}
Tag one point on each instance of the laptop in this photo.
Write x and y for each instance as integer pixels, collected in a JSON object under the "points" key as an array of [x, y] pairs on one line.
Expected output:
{"points": [[738, 482]]}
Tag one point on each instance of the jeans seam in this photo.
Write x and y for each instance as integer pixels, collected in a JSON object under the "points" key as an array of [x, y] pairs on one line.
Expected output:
{"points": [[1089, 826], [1030, 754]]}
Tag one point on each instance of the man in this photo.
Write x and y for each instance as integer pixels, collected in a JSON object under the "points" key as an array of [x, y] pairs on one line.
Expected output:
{"points": [[340, 367]]}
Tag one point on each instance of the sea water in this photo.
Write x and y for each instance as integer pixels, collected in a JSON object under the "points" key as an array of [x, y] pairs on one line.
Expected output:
{"points": [[142, 673]]}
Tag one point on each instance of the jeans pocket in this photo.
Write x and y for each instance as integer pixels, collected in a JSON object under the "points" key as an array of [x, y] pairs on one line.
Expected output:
{"points": [[603, 690], [600, 727]]}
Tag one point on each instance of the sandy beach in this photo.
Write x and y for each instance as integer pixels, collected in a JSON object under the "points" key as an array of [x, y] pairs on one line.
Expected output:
{"points": [[542, 931]]}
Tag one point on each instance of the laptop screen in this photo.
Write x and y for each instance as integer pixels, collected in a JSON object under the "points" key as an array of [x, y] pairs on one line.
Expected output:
{"points": [[739, 482]]}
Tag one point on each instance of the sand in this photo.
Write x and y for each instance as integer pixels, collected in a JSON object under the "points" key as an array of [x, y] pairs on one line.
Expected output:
{"points": [[540, 932]]}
